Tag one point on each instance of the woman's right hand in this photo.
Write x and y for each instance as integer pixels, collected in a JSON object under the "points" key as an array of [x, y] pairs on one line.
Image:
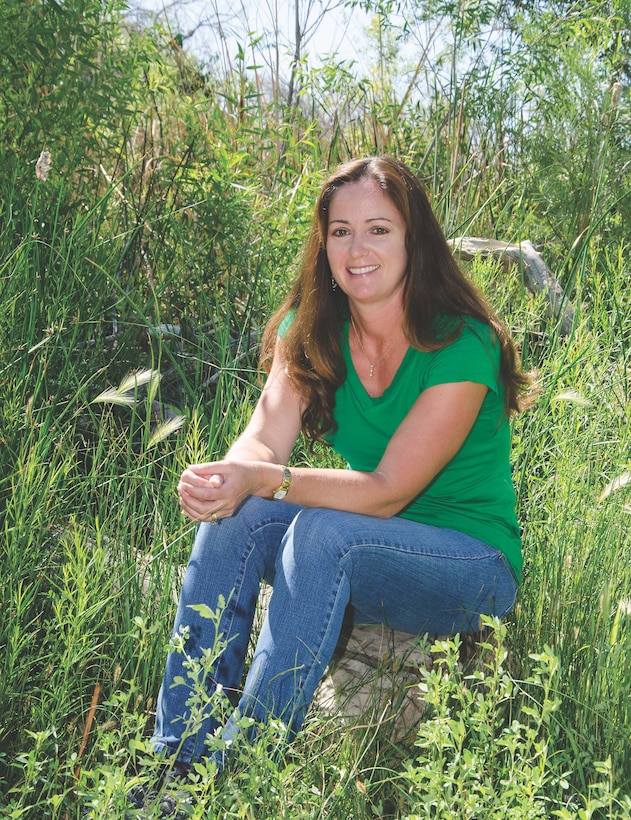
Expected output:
{"points": [[209, 492], [213, 490]]}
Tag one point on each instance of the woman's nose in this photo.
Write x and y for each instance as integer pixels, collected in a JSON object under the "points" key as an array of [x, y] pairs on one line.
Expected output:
{"points": [[358, 245]]}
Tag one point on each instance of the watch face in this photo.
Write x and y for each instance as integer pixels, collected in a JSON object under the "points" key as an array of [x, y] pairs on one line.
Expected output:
{"points": [[280, 494]]}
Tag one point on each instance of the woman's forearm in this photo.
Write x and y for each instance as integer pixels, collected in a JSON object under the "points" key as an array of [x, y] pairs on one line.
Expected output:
{"points": [[246, 448], [338, 489]]}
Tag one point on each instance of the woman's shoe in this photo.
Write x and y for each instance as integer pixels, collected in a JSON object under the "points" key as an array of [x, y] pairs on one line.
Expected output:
{"points": [[171, 802], [178, 806]]}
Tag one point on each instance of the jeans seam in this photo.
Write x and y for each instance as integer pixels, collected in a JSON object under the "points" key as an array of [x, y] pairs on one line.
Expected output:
{"points": [[389, 546]]}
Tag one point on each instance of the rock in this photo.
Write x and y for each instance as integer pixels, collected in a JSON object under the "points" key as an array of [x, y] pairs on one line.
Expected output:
{"points": [[374, 677]]}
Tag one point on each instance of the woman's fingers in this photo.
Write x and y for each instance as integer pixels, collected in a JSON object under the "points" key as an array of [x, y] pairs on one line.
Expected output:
{"points": [[203, 512], [200, 485], [209, 490], [203, 509]]}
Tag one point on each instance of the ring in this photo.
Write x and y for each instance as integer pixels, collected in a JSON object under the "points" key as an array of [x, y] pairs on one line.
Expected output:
{"points": [[213, 518]]}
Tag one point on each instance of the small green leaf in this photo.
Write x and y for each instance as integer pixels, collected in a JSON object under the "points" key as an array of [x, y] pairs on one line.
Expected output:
{"points": [[203, 610]]}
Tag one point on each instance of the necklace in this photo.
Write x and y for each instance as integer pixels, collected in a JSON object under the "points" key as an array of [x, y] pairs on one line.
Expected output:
{"points": [[383, 355]]}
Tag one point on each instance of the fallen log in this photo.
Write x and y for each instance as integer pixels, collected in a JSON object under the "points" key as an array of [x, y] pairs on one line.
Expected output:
{"points": [[536, 274]]}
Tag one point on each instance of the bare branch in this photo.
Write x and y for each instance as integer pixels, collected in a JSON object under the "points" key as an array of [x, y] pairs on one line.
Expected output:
{"points": [[537, 276]]}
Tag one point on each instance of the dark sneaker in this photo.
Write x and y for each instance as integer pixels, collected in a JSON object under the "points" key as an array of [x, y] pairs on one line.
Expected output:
{"points": [[178, 806], [170, 802], [136, 797]]}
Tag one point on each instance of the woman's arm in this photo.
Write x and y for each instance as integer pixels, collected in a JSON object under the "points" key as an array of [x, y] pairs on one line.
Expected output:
{"points": [[220, 486], [275, 422], [427, 439]]}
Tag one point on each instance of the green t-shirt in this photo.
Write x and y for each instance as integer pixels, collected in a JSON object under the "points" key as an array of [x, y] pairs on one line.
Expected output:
{"points": [[474, 492]]}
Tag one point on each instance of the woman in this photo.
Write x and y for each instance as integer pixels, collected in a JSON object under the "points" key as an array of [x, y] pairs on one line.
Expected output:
{"points": [[384, 350]]}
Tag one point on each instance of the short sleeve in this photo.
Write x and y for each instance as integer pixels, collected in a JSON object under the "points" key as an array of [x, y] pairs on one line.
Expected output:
{"points": [[474, 356]]}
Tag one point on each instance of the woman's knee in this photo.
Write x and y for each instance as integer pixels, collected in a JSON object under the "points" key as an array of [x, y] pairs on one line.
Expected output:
{"points": [[237, 526], [317, 534]]}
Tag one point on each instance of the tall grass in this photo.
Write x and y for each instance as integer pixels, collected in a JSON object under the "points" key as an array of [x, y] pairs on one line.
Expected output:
{"points": [[132, 306], [93, 545]]}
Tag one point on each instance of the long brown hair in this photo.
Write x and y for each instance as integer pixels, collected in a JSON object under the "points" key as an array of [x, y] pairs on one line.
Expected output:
{"points": [[435, 287]]}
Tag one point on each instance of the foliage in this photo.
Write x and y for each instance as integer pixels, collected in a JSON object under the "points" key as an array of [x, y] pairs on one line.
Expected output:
{"points": [[484, 730], [135, 275], [487, 741]]}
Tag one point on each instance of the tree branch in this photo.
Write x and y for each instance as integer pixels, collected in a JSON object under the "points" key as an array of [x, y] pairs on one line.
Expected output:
{"points": [[536, 274]]}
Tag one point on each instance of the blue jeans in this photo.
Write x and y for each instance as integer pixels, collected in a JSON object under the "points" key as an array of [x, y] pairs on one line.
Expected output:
{"points": [[413, 577]]}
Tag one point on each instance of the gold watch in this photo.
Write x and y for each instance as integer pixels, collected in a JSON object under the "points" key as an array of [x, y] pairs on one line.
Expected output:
{"points": [[281, 492]]}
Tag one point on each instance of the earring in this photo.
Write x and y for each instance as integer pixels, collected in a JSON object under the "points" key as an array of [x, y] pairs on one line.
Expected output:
{"points": [[333, 283]]}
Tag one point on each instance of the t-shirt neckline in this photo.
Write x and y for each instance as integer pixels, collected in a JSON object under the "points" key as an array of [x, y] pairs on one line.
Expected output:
{"points": [[356, 382]]}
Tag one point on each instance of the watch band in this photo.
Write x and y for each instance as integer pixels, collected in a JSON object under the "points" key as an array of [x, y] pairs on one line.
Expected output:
{"points": [[281, 491]]}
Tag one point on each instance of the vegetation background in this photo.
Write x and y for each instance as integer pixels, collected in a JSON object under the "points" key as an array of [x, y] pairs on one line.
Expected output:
{"points": [[152, 210]]}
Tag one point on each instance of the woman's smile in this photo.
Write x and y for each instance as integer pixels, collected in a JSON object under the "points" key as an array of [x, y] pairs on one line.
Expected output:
{"points": [[366, 245], [360, 271]]}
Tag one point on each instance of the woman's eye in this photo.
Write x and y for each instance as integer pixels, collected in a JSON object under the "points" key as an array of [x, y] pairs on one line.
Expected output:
{"points": [[378, 229]]}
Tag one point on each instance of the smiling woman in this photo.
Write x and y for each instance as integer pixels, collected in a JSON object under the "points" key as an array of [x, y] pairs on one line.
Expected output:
{"points": [[366, 251], [384, 350]]}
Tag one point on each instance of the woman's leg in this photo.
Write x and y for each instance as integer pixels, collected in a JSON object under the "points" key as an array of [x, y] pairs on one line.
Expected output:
{"points": [[228, 559], [411, 576]]}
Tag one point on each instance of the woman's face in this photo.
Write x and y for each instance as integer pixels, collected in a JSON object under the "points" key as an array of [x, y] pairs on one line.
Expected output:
{"points": [[365, 244]]}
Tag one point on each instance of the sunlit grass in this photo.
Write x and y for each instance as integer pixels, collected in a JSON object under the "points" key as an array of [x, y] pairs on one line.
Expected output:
{"points": [[128, 355], [93, 547]]}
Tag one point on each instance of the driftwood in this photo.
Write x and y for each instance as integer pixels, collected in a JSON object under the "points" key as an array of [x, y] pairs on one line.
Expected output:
{"points": [[536, 274]]}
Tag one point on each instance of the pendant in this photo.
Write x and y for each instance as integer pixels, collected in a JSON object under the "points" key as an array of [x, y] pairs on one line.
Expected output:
{"points": [[372, 370]]}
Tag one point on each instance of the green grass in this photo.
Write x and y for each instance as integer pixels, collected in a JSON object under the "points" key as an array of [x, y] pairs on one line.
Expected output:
{"points": [[166, 261], [93, 544]]}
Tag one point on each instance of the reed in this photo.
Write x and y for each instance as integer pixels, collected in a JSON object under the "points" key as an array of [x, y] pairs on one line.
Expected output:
{"points": [[133, 299]]}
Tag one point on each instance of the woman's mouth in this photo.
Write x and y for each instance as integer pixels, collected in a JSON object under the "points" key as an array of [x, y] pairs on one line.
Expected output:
{"points": [[365, 269]]}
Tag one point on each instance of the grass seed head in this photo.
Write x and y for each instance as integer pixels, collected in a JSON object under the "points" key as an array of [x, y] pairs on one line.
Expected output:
{"points": [[42, 168]]}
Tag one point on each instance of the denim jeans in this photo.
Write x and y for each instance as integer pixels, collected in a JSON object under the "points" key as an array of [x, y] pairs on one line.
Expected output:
{"points": [[413, 577]]}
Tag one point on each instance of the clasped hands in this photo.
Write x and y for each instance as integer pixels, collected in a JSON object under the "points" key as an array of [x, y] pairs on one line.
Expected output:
{"points": [[214, 490]]}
